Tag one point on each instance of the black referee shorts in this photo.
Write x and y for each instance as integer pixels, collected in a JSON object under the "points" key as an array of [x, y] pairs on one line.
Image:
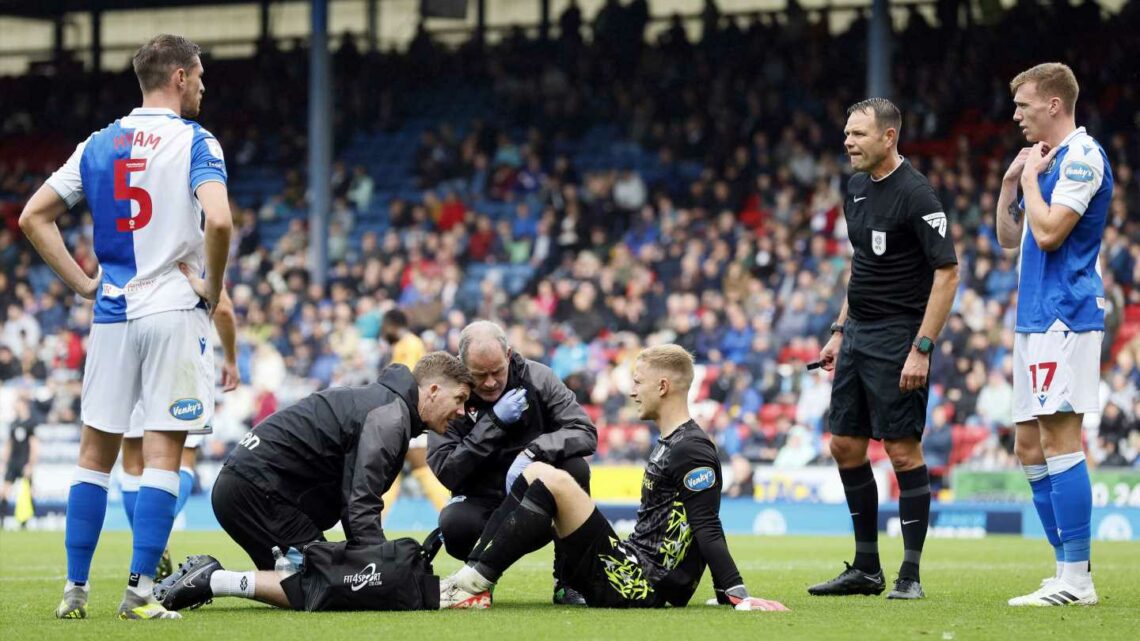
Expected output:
{"points": [[15, 470], [258, 520], [865, 396]]}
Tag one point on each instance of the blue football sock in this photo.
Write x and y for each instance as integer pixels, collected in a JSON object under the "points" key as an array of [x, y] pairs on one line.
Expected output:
{"points": [[86, 509], [185, 487], [154, 516], [1042, 487], [129, 488], [1072, 503]]}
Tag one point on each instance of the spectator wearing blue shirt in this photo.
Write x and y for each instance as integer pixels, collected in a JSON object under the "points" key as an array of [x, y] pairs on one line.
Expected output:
{"points": [[525, 223], [708, 340], [570, 357], [736, 341]]}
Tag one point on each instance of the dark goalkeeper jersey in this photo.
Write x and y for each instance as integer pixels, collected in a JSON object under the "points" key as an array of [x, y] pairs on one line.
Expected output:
{"points": [[678, 527]]}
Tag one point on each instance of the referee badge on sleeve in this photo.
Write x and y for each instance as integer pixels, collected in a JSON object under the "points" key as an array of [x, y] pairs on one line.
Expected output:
{"points": [[879, 242]]}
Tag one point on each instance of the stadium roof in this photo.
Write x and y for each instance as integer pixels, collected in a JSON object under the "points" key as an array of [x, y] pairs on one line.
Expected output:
{"points": [[48, 9]]}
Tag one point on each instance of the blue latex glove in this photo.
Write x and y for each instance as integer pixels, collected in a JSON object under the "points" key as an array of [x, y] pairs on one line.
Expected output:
{"points": [[522, 461], [511, 406]]}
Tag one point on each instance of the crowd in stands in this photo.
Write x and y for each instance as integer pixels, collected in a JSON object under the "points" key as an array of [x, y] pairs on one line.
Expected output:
{"points": [[604, 194]]}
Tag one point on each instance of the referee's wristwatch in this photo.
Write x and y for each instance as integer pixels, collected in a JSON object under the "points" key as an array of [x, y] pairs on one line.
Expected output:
{"points": [[924, 345], [836, 327]]}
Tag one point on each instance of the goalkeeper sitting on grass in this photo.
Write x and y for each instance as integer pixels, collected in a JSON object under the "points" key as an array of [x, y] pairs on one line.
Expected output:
{"points": [[678, 529]]}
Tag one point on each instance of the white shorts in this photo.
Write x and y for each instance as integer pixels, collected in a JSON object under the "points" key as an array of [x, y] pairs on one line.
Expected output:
{"points": [[162, 362], [1056, 372], [136, 429]]}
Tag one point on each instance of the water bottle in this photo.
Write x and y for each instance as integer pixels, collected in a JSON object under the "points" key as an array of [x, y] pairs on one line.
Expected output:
{"points": [[286, 564]]}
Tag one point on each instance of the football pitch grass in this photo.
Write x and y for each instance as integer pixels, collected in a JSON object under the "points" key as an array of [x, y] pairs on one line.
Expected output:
{"points": [[967, 583]]}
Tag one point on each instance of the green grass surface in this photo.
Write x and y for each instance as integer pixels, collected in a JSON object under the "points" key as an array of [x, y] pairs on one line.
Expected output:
{"points": [[967, 583]]}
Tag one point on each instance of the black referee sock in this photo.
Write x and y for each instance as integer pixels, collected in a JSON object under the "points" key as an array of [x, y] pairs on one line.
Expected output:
{"points": [[509, 504], [525, 530], [914, 514], [863, 503]]}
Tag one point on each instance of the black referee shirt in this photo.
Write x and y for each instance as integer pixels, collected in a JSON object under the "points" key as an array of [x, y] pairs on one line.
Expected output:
{"points": [[898, 229], [20, 437]]}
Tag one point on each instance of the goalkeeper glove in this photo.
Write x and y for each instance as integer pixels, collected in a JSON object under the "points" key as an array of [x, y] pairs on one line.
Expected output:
{"points": [[737, 597]]}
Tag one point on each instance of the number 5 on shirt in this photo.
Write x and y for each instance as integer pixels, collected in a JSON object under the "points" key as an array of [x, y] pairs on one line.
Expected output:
{"points": [[124, 191]]}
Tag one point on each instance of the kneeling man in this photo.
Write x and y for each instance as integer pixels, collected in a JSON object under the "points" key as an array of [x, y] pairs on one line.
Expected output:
{"points": [[327, 458]]}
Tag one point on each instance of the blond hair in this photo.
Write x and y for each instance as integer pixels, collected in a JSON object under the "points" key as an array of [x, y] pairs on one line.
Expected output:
{"points": [[1053, 79], [672, 360], [438, 366]]}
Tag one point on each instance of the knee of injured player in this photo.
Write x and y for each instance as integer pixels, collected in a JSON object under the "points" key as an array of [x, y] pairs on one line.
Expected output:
{"points": [[544, 472], [558, 482]]}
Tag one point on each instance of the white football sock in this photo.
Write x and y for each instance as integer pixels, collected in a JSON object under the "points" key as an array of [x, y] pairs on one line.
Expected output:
{"points": [[129, 483], [470, 580], [86, 587], [145, 589], [239, 584], [1060, 569], [1077, 574]]}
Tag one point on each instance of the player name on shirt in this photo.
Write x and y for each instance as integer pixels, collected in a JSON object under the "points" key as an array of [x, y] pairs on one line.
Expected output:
{"points": [[139, 138]]}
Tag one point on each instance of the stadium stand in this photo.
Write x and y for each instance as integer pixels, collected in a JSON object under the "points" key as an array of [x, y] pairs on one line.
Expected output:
{"points": [[596, 198]]}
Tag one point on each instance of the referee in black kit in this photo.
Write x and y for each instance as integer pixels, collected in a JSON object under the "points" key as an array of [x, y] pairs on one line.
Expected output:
{"points": [[904, 274]]}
